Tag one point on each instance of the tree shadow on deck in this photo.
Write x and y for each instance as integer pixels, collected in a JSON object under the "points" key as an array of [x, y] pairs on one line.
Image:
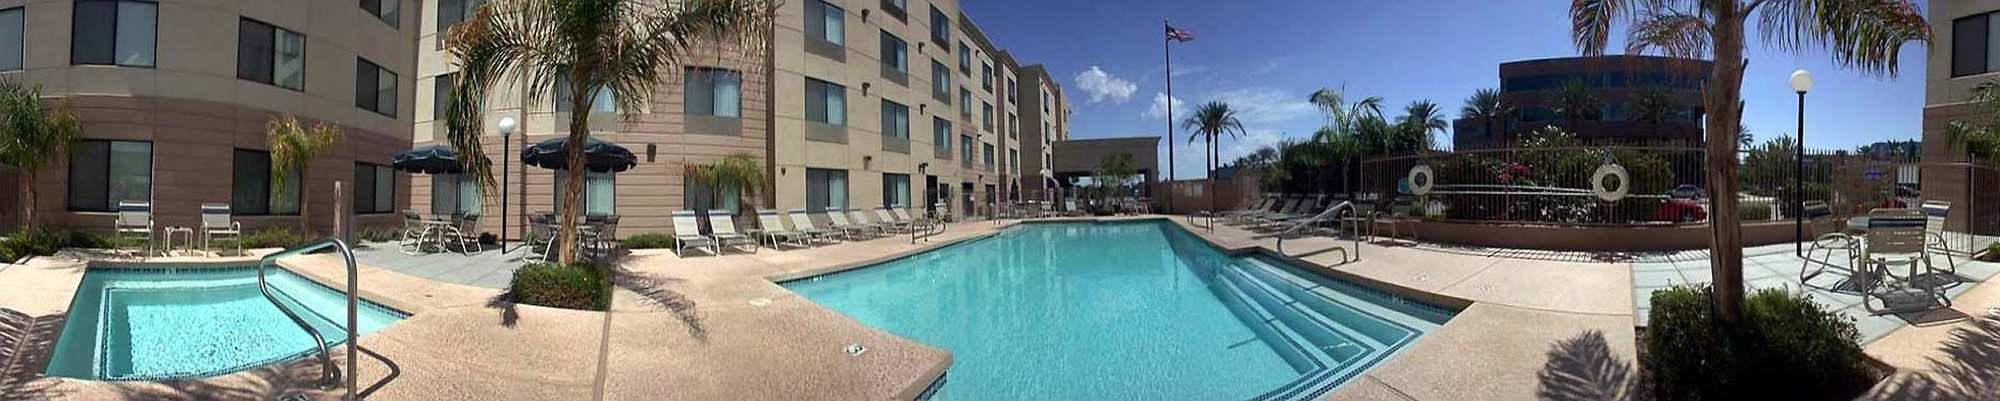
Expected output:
{"points": [[1584, 368], [1969, 369], [26, 343]]}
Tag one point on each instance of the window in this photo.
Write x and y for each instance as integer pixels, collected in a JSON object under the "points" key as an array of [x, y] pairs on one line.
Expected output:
{"points": [[1013, 93], [826, 22], [895, 190], [254, 190], [453, 194], [941, 137], [103, 173], [987, 150], [895, 53], [826, 102], [374, 88], [713, 92], [113, 32], [1013, 126], [701, 199], [389, 11], [1014, 158], [600, 102], [964, 58], [986, 77], [600, 192], [986, 115], [965, 149], [270, 55], [965, 103], [826, 189], [11, 38], [451, 12], [940, 82], [441, 95], [897, 8], [1973, 48], [374, 188], [895, 120], [940, 27]]}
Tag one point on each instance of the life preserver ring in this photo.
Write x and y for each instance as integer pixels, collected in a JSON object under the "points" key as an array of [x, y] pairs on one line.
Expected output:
{"points": [[1598, 185], [1421, 179]]}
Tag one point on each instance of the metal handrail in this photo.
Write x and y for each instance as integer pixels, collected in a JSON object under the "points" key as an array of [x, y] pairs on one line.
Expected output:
{"points": [[1335, 212], [329, 374]]}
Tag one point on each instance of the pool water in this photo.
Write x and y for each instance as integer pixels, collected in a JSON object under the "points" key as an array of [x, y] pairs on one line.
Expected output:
{"points": [[1133, 310], [155, 324]]}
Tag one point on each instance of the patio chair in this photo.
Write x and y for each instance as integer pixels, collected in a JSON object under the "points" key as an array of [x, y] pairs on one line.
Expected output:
{"points": [[464, 231], [1895, 238], [600, 233], [804, 224], [135, 219], [1936, 212], [1825, 245], [216, 223], [847, 228], [771, 228], [722, 227], [889, 222], [413, 233], [687, 233], [541, 231]]}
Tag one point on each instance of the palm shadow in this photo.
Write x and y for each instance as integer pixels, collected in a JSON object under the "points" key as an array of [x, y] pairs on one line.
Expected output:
{"points": [[659, 292], [1968, 370], [1584, 368], [26, 343]]}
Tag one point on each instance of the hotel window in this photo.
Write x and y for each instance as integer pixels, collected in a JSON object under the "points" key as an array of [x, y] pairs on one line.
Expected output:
{"points": [[701, 199], [452, 12], [986, 116], [374, 88], [453, 194], [1973, 50], [941, 136], [1013, 126], [895, 120], [987, 150], [254, 190], [897, 8], [940, 82], [940, 27], [11, 38], [965, 149], [825, 189], [895, 190], [271, 55], [713, 92], [389, 11], [600, 192], [1013, 93], [103, 173], [374, 188], [826, 102], [965, 103], [986, 77], [600, 102], [826, 22], [113, 32], [964, 58], [895, 53], [441, 95], [1014, 158]]}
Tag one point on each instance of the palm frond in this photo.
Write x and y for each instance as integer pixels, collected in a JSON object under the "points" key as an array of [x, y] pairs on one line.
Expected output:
{"points": [[1590, 23], [32, 134], [294, 146], [1672, 33], [1866, 35]]}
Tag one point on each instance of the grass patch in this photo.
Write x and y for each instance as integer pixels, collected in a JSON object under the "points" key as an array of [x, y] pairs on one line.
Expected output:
{"points": [[45, 242], [649, 241], [578, 286], [276, 237]]}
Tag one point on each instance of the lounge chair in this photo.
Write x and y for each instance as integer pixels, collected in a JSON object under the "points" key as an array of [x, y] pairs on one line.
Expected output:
{"points": [[1305, 208], [1287, 207], [687, 233], [889, 222], [135, 219], [1895, 238], [856, 216], [1256, 206], [804, 224], [1936, 212], [771, 228], [722, 228], [216, 224], [847, 228]]}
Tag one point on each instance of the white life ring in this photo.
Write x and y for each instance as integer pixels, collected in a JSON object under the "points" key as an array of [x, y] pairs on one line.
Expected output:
{"points": [[1610, 194], [1421, 179]]}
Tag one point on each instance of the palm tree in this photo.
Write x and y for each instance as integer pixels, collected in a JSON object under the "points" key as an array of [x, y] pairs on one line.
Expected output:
{"points": [[1210, 123], [1488, 106], [293, 149], [624, 47], [1341, 133], [738, 170], [1652, 106], [1980, 136], [1420, 118], [1576, 102], [1865, 35], [31, 136]]}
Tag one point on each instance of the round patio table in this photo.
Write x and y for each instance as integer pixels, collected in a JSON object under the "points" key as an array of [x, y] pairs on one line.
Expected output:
{"points": [[1857, 224]]}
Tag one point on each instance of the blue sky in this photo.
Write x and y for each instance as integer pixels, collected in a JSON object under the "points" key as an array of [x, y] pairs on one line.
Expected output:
{"points": [[1266, 56]]}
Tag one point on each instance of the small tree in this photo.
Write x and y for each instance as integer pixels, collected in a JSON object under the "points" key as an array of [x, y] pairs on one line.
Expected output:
{"points": [[293, 149], [31, 136], [1113, 171], [740, 170], [1980, 135]]}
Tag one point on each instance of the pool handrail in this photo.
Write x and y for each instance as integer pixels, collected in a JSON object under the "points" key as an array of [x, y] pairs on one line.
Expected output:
{"points": [[329, 374], [1332, 212]]}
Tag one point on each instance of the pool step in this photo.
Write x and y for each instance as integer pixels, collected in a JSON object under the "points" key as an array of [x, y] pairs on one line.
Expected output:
{"points": [[1293, 347], [1343, 334]]}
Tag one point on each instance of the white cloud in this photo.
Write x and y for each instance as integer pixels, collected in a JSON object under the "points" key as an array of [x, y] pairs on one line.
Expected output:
{"points": [[1101, 85], [1259, 106], [1159, 107]]}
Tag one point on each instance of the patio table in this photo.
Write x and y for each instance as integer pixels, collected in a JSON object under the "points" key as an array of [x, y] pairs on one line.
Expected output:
{"points": [[434, 224]]}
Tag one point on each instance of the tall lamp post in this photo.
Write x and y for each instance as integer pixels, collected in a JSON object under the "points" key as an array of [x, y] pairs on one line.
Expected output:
{"points": [[1801, 82], [507, 125]]}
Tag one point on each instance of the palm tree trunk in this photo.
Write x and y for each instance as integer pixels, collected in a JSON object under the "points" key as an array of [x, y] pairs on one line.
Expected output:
{"points": [[305, 220], [1721, 98], [572, 196], [28, 199]]}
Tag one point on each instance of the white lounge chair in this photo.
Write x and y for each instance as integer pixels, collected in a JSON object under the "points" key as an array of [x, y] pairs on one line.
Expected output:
{"points": [[216, 224], [722, 228], [771, 229], [888, 220], [687, 233], [847, 228], [804, 224], [135, 219]]}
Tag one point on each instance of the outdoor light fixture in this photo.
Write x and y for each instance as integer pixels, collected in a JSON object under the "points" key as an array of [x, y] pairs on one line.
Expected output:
{"points": [[506, 126], [1801, 82]]}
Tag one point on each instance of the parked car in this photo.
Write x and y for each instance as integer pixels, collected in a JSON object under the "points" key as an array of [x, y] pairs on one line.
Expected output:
{"points": [[1681, 210], [1687, 191]]}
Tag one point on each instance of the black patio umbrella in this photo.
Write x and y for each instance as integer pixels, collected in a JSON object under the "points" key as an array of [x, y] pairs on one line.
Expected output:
{"points": [[433, 159], [598, 156]]}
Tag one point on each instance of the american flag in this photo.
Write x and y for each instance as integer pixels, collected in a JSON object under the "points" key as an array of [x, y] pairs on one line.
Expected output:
{"points": [[1179, 34]]}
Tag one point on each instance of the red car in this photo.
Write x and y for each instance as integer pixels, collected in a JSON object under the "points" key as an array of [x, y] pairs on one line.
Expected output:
{"points": [[1681, 210]]}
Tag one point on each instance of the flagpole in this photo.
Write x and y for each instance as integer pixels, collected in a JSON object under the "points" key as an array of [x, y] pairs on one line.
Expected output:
{"points": [[1168, 45]]}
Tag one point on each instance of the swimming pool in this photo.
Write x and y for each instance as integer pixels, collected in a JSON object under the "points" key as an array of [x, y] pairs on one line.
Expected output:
{"points": [[1130, 310], [155, 324]]}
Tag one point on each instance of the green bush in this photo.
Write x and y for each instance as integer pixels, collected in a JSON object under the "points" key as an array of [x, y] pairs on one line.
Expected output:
{"points": [[1754, 211], [381, 234], [1992, 252], [578, 286], [276, 237], [1785, 347], [649, 241], [44, 242]]}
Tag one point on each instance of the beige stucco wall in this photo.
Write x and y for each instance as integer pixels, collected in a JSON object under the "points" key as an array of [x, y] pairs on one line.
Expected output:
{"points": [[1944, 102]]}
